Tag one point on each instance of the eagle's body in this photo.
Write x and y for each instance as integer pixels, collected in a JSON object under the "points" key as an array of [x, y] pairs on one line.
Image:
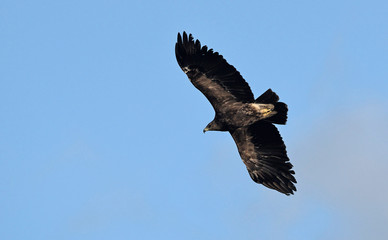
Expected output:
{"points": [[249, 121]]}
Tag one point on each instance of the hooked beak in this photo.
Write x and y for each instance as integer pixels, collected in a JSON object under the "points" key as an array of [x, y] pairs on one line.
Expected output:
{"points": [[205, 130]]}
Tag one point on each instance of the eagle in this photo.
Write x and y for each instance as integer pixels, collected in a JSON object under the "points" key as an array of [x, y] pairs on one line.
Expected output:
{"points": [[250, 121]]}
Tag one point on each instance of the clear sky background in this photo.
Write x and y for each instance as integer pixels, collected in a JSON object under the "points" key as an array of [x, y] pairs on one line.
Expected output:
{"points": [[101, 132]]}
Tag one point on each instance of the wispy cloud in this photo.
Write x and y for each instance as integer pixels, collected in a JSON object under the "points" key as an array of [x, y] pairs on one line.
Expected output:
{"points": [[344, 163]]}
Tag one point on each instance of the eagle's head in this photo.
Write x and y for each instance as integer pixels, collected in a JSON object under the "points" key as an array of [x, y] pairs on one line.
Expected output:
{"points": [[214, 126]]}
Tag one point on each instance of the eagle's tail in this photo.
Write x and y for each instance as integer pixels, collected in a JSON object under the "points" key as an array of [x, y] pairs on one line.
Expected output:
{"points": [[281, 116], [281, 108]]}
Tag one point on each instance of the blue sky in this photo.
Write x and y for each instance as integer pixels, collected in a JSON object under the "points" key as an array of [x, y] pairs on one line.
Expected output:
{"points": [[101, 132]]}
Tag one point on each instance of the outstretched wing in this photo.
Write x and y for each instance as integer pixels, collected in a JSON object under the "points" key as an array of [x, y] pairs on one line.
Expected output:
{"points": [[263, 151], [209, 72]]}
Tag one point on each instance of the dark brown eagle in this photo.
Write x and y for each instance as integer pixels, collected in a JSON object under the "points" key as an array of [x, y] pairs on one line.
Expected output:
{"points": [[249, 121]]}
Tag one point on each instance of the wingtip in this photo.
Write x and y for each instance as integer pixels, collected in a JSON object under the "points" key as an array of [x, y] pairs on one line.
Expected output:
{"points": [[184, 37], [179, 38]]}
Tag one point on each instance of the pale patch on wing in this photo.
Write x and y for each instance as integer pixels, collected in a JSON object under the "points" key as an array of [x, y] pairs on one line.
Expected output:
{"points": [[186, 69]]}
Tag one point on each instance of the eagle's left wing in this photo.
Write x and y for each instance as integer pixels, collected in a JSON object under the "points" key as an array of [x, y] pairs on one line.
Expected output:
{"points": [[209, 72], [263, 151]]}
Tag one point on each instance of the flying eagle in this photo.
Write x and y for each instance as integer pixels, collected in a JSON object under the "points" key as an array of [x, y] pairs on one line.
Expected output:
{"points": [[249, 121]]}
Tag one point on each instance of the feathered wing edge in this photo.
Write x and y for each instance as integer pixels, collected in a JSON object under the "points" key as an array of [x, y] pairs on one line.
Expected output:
{"points": [[193, 58], [264, 154]]}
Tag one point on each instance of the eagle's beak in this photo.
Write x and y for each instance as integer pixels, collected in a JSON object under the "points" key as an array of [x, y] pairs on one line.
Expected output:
{"points": [[205, 130]]}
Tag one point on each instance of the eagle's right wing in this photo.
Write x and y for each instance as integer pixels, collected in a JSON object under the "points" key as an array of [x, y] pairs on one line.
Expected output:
{"points": [[209, 72], [263, 151]]}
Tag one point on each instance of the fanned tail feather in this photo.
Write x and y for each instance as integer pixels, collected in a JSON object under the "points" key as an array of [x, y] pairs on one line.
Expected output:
{"points": [[268, 97], [280, 107], [281, 116]]}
